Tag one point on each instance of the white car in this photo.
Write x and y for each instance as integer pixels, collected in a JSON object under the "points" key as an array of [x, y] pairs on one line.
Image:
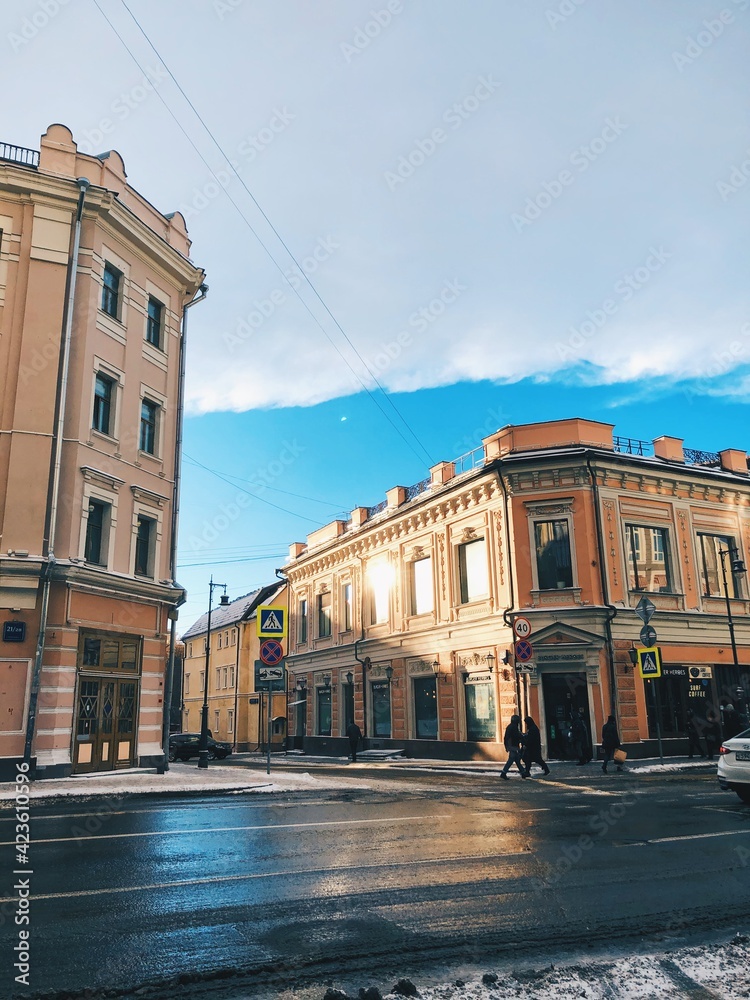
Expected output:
{"points": [[734, 765]]}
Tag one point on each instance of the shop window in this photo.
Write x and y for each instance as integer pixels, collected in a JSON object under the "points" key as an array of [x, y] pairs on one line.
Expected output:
{"points": [[648, 559], [381, 709], [553, 560], [425, 708], [421, 587], [480, 711], [472, 570], [324, 711]]}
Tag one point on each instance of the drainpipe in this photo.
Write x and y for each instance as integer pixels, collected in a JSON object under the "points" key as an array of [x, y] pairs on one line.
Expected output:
{"points": [[54, 495], [511, 578], [611, 609], [164, 766]]}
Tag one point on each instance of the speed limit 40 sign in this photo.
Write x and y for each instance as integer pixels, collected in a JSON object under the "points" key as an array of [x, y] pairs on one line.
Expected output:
{"points": [[522, 628]]}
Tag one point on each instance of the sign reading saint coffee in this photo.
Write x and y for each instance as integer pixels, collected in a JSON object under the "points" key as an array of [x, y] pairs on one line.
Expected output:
{"points": [[14, 631]]}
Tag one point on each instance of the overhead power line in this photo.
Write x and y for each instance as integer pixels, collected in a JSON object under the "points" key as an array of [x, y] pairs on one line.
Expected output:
{"points": [[279, 267]]}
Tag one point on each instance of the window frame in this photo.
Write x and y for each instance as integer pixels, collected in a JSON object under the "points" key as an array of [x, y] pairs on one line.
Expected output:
{"points": [[155, 325], [302, 617], [103, 404], [346, 607], [141, 520], [552, 519], [724, 542], [636, 549], [415, 586], [149, 427], [467, 595], [111, 299], [324, 615], [103, 527]]}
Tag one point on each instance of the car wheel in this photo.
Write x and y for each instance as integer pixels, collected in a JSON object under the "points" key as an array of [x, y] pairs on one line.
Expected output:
{"points": [[172, 755], [212, 755], [744, 794]]}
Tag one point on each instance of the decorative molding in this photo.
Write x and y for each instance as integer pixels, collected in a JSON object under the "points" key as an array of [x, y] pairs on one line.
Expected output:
{"points": [[535, 508], [92, 475], [148, 496]]}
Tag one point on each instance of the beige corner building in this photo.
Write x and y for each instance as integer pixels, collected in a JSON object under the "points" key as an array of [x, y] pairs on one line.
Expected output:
{"points": [[510, 579], [236, 696], [94, 282]]}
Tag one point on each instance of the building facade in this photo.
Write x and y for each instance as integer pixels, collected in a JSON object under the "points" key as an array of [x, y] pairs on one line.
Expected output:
{"points": [[402, 617], [93, 285], [237, 698]]}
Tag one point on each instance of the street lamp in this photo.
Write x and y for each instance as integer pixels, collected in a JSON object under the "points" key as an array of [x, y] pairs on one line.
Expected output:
{"points": [[349, 678], [737, 566], [203, 744], [490, 661]]}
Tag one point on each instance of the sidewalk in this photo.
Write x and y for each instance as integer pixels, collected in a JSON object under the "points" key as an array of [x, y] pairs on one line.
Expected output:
{"points": [[247, 775]]}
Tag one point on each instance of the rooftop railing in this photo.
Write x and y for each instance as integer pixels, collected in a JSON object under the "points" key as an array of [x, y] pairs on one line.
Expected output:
{"points": [[632, 446], [19, 154]]}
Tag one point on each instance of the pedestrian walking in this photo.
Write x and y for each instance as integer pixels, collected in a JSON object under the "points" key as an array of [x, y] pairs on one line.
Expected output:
{"points": [[610, 742], [513, 744], [355, 735], [732, 721], [693, 735], [713, 732], [580, 736], [532, 747]]}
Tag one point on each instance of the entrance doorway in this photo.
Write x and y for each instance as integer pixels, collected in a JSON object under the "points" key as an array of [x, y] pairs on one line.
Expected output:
{"points": [[105, 725], [565, 696]]}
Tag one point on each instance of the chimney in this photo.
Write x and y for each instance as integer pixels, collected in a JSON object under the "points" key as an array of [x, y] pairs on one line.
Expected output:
{"points": [[669, 449]]}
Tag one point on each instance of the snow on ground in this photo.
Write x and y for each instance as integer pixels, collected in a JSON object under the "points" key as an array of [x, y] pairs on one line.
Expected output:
{"points": [[179, 779], [722, 971]]}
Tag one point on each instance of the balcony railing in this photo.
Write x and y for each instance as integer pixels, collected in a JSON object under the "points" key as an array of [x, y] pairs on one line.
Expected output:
{"points": [[632, 446], [19, 154], [694, 457]]}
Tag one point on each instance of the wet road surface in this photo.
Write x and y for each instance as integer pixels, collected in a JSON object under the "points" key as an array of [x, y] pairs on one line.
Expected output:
{"points": [[422, 866]]}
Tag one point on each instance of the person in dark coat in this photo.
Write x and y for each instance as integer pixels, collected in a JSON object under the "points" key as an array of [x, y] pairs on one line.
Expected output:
{"points": [[355, 735], [712, 733], [532, 747], [693, 734], [610, 742], [513, 744], [580, 735], [732, 721]]}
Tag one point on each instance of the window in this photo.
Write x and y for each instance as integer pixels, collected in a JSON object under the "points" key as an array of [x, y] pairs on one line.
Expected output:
{"points": [[226, 677], [231, 676], [480, 710], [111, 291], [425, 708], [230, 720], [96, 532], [149, 412], [379, 583], [217, 716], [420, 586], [712, 581], [553, 562], [190, 649], [103, 396], [324, 711], [202, 676], [302, 631], [346, 607], [187, 684], [104, 651], [648, 564], [324, 615], [218, 678], [381, 709], [154, 314], [234, 638], [144, 547], [472, 570], [218, 641]]}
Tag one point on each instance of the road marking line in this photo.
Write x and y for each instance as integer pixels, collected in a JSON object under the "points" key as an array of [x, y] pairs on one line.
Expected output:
{"points": [[691, 836], [263, 875], [232, 829]]}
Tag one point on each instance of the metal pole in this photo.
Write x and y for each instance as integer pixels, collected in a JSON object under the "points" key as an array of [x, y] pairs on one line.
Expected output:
{"points": [[203, 745], [658, 719], [268, 730], [730, 620]]}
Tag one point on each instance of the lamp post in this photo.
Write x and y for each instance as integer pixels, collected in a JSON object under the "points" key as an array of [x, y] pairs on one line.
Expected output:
{"points": [[737, 567], [203, 745]]}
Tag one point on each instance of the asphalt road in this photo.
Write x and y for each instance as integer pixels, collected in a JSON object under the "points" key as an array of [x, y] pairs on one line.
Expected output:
{"points": [[422, 867]]}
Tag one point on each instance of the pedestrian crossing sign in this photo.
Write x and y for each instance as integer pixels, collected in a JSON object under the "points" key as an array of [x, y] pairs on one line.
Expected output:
{"points": [[649, 661], [271, 622]]}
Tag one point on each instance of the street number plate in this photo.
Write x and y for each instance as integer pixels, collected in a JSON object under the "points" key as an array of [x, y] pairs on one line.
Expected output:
{"points": [[742, 756]]}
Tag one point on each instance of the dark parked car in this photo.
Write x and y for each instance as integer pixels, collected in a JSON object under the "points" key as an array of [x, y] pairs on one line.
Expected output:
{"points": [[183, 746]]}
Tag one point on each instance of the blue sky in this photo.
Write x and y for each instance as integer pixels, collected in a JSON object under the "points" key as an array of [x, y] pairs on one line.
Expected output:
{"points": [[507, 212]]}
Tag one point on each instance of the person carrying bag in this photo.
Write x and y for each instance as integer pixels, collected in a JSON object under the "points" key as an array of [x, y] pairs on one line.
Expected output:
{"points": [[611, 745]]}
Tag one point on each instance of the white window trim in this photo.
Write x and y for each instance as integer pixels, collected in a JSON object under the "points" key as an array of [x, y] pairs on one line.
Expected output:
{"points": [[670, 561], [478, 534], [102, 367], [141, 509], [114, 325]]}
